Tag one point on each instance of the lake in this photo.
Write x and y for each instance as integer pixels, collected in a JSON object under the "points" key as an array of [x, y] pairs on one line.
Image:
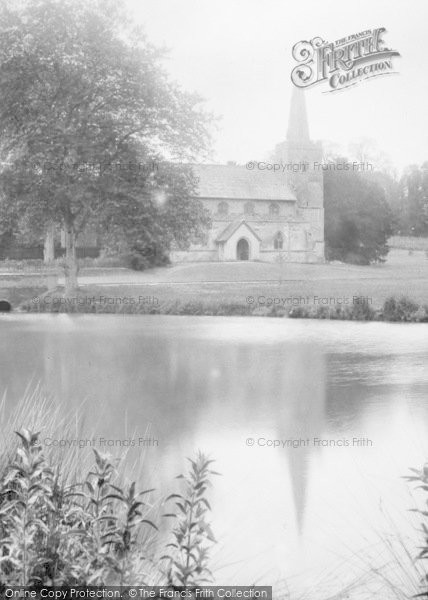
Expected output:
{"points": [[311, 423]]}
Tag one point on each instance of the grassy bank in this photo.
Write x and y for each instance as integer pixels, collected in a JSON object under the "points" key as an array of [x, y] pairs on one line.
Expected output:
{"points": [[17, 288], [129, 300], [331, 290]]}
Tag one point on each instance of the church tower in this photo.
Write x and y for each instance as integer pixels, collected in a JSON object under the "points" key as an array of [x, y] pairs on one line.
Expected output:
{"points": [[306, 180], [298, 129]]}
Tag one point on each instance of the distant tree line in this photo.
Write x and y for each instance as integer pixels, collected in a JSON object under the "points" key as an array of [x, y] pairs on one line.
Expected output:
{"points": [[409, 201], [364, 208]]}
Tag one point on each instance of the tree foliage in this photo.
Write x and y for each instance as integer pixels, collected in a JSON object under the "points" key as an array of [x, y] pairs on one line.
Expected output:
{"points": [[358, 219], [85, 106]]}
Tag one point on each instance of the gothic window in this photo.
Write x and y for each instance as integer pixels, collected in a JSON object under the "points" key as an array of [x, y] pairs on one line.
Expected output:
{"points": [[249, 208], [273, 209], [223, 208], [278, 241]]}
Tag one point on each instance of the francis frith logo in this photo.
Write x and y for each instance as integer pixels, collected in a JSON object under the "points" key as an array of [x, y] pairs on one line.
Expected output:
{"points": [[342, 63]]}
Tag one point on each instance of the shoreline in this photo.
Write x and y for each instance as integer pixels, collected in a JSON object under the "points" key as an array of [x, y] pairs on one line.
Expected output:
{"points": [[394, 308]]}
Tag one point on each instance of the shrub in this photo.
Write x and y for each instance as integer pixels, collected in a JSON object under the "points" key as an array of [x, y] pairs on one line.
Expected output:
{"points": [[141, 258], [360, 311], [277, 311], [402, 309], [103, 261], [321, 312], [137, 261], [299, 312]]}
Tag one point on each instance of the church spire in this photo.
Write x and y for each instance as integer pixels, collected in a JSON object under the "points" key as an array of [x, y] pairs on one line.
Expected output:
{"points": [[298, 129]]}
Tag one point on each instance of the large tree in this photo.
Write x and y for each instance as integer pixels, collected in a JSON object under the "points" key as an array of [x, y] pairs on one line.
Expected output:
{"points": [[358, 219], [85, 108]]}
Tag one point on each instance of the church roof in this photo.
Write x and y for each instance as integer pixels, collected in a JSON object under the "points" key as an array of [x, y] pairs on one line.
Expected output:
{"points": [[238, 182], [231, 228]]}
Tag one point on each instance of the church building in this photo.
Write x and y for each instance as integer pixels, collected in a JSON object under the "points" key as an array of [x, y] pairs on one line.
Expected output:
{"points": [[263, 214]]}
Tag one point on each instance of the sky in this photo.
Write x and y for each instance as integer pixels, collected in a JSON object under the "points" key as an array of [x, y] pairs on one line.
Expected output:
{"points": [[237, 55]]}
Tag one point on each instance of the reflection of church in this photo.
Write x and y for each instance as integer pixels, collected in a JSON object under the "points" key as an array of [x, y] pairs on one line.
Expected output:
{"points": [[261, 214]]}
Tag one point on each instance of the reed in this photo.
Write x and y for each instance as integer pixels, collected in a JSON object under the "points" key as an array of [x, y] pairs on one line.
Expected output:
{"points": [[420, 477]]}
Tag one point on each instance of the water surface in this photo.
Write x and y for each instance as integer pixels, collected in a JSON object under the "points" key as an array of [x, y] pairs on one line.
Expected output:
{"points": [[312, 513]]}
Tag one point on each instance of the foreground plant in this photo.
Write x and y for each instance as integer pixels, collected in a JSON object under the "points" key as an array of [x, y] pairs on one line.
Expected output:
{"points": [[187, 563], [106, 526], [421, 476], [87, 533], [26, 502]]}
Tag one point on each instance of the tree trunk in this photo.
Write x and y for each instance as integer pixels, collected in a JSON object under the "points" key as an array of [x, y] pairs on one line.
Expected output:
{"points": [[49, 248], [70, 266]]}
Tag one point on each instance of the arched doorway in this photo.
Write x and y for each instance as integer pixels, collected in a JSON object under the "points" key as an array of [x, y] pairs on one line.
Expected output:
{"points": [[243, 250]]}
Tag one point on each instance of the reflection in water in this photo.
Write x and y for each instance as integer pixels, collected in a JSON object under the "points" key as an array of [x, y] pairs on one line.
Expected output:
{"points": [[305, 374], [211, 383]]}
